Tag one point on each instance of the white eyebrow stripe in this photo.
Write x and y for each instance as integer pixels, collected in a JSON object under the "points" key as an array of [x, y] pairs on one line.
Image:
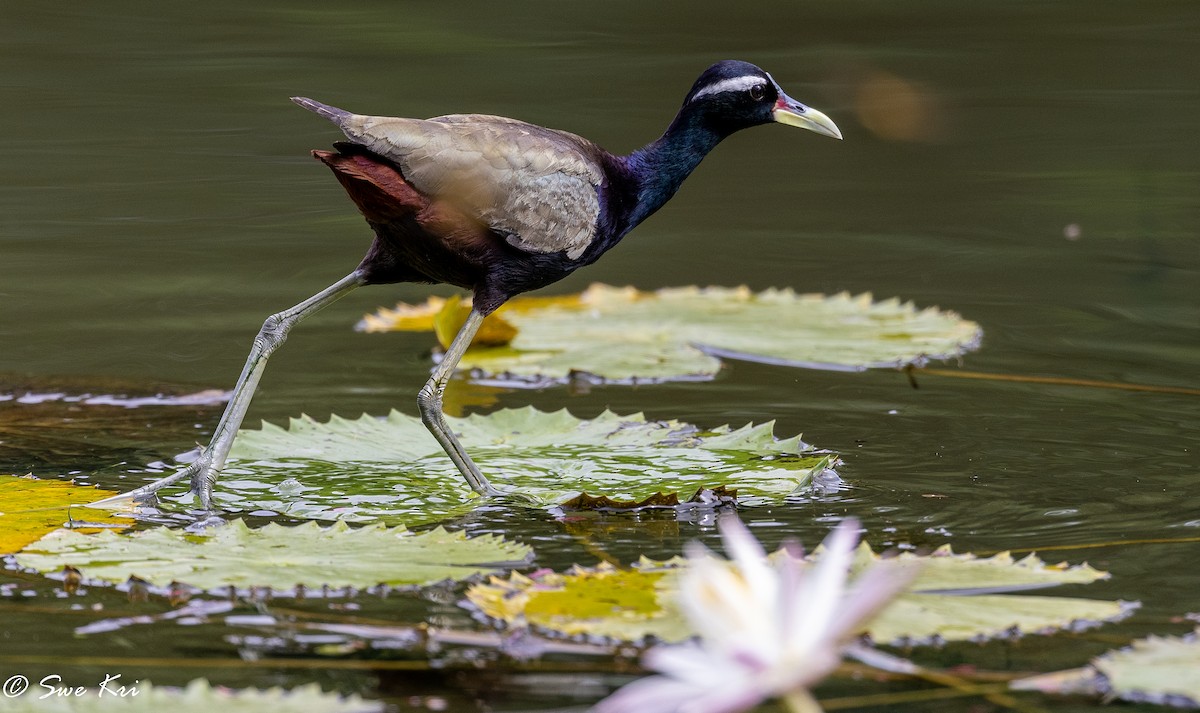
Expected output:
{"points": [[734, 84]]}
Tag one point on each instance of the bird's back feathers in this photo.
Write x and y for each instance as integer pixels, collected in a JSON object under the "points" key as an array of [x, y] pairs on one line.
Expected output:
{"points": [[537, 187]]}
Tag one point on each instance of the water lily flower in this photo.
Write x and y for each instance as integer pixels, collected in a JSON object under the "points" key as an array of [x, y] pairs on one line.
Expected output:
{"points": [[768, 627]]}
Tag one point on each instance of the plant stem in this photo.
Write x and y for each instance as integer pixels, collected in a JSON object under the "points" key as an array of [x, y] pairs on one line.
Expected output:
{"points": [[801, 701]]}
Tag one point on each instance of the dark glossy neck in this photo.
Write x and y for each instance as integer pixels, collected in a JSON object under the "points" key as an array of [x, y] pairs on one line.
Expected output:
{"points": [[659, 168]]}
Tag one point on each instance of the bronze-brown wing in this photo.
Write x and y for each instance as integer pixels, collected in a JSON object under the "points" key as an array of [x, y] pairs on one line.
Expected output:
{"points": [[535, 186]]}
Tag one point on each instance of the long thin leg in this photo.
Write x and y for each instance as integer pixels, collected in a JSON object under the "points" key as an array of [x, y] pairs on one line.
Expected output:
{"points": [[205, 469], [429, 400]]}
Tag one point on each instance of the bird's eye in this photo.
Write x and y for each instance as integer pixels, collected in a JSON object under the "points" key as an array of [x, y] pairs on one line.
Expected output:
{"points": [[758, 91]]}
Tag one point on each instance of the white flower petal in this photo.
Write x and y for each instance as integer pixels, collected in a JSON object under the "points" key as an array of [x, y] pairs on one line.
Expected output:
{"points": [[747, 554], [716, 600], [822, 588], [767, 627]]}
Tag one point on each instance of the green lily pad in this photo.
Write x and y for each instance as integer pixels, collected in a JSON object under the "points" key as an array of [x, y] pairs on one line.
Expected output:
{"points": [[621, 335], [391, 469], [927, 618], [198, 697], [945, 572], [633, 604], [275, 556], [1157, 669]]}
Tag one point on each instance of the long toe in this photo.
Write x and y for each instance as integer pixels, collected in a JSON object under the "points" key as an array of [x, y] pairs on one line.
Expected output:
{"points": [[147, 492]]}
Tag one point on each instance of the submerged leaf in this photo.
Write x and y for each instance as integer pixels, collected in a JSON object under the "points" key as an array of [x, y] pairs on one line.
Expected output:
{"points": [[29, 508], [623, 335], [198, 697], [639, 603], [275, 556], [392, 469]]}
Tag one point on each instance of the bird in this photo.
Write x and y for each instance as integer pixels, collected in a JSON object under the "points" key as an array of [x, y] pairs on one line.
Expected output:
{"points": [[498, 207]]}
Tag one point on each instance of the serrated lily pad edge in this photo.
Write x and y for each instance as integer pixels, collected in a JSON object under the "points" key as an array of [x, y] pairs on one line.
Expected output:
{"points": [[584, 378], [1176, 700], [179, 590], [754, 439], [1094, 680]]}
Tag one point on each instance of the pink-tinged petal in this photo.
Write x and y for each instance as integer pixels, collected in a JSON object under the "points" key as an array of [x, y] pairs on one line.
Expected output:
{"points": [[792, 549], [659, 694], [871, 592], [656, 693], [687, 662], [726, 699]]}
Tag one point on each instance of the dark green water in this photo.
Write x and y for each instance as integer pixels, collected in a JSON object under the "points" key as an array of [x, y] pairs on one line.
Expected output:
{"points": [[157, 201]]}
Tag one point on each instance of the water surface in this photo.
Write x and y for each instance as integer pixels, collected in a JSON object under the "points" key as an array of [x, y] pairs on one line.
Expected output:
{"points": [[1030, 165]]}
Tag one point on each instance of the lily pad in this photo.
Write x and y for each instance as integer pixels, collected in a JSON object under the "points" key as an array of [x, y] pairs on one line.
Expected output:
{"points": [[605, 601], [29, 508], [633, 604], [275, 556], [945, 572], [1157, 669], [621, 335], [391, 469], [198, 697]]}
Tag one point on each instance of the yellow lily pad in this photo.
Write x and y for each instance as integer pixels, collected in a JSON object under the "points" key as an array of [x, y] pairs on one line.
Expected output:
{"points": [[31, 508], [619, 604], [495, 331], [452, 312]]}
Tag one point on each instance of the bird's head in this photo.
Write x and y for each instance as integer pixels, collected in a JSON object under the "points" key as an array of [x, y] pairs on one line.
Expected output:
{"points": [[733, 95]]}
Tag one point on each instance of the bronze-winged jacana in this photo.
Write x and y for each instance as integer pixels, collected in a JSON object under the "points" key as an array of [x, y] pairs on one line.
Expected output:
{"points": [[498, 207]]}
